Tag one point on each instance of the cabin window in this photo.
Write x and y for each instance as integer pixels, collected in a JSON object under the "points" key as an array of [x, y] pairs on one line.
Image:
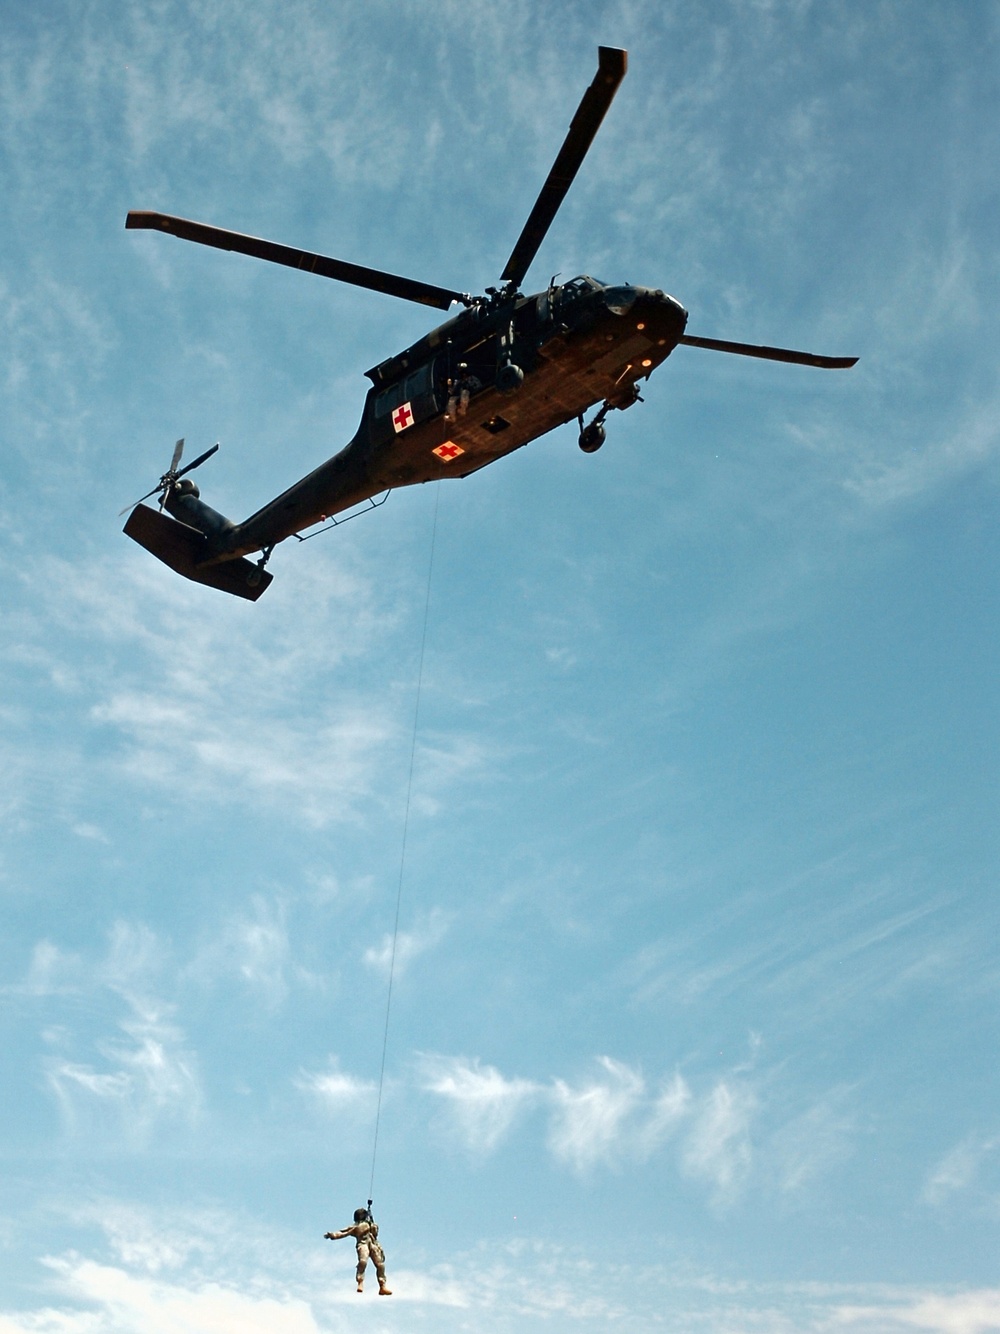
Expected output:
{"points": [[418, 385]]}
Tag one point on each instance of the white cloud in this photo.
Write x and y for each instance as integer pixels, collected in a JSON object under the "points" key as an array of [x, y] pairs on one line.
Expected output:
{"points": [[483, 1103], [152, 1076], [409, 945], [51, 972], [960, 1168], [718, 1149], [608, 1119], [441, 761], [588, 1122], [335, 1090], [139, 1240], [961, 1313], [669, 1110], [972, 1312], [135, 955], [131, 1303], [210, 707], [923, 468], [285, 1292], [253, 946], [144, 1072], [91, 831], [812, 1143], [261, 946]]}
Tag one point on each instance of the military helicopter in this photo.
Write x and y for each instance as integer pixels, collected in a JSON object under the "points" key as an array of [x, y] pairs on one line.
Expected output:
{"points": [[502, 372]]}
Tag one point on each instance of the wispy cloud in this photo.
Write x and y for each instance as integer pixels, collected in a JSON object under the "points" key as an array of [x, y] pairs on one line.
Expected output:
{"points": [[198, 708], [588, 1120], [145, 1078], [51, 971], [718, 1149], [174, 1270], [409, 945], [482, 1103], [252, 945], [606, 1119], [812, 1143], [970, 1312], [962, 1168], [925, 466], [138, 1302], [208, 708], [669, 1109], [335, 1090], [146, 1073]]}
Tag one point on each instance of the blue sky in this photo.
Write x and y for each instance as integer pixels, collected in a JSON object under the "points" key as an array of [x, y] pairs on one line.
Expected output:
{"points": [[696, 1004]]}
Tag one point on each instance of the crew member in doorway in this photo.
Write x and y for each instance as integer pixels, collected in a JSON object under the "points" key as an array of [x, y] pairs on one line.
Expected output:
{"points": [[364, 1230], [460, 390]]}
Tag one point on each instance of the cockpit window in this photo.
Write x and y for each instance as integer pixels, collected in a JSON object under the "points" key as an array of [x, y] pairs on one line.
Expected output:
{"points": [[580, 286]]}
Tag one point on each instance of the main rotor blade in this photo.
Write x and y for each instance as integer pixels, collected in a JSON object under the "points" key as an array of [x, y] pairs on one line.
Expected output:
{"points": [[409, 289], [770, 353], [611, 68]]}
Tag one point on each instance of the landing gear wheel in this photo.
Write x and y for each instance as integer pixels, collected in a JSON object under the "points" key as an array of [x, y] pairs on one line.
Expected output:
{"points": [[257, 573], [592, 437]]}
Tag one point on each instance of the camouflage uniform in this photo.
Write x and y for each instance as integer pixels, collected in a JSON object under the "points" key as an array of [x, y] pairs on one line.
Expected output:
{"points": [[365, 1234]]}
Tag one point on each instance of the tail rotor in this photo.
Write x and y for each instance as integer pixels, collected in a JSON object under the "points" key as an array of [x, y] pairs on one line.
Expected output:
{"points": [[171, 477]]}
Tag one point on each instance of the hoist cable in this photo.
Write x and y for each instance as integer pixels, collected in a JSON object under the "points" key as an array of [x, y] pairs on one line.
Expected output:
{"points": [[402, 852]]}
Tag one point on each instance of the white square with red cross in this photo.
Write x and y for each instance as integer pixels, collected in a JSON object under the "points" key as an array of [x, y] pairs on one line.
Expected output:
{"points": [[448, 451], [402, 417]]}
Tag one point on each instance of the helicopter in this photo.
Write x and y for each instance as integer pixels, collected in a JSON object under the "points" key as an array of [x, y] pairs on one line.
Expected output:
{"points": [[504, 370]]}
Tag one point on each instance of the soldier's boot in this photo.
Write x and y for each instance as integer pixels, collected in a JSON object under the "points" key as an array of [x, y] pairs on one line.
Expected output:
{"points": [[383, 1291]]}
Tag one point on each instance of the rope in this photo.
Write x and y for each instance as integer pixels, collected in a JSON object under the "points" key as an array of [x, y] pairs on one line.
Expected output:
{"points": [[402, 852]]}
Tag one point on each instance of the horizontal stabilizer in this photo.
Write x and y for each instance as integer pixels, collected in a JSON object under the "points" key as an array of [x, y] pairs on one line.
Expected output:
{"points": [[182, 548]]}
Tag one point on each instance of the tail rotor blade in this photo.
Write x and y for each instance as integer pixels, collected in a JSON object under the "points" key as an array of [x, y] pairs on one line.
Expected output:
{"points": [[178, 451], [156, 488], [198, 461], [770, 353]]}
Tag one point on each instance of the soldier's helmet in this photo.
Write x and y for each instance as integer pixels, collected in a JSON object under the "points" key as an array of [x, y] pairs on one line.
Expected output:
{"points": [[361, 1215]]}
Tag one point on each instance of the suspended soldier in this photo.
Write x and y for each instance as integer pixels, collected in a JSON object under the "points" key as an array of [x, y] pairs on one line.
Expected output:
{"points": [[365, 1233]]}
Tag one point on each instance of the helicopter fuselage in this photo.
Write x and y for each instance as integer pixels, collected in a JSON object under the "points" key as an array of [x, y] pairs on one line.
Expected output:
{"points": [[504, 371], [436, 411]]}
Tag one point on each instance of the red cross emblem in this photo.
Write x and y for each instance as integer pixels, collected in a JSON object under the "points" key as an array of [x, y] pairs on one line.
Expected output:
{"points": [[448, 451], [402, 417]]}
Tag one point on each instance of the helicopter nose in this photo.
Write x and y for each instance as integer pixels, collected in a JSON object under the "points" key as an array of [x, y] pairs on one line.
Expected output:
{"points": [[659, 314], [661, 311], [655, 297]]}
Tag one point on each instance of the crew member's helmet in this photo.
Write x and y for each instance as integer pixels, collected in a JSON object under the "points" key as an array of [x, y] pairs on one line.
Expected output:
{"points": [[361, 1215]]}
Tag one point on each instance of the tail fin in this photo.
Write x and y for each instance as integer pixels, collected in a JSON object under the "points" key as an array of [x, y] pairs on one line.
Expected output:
{"points": [[182, 548]]}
